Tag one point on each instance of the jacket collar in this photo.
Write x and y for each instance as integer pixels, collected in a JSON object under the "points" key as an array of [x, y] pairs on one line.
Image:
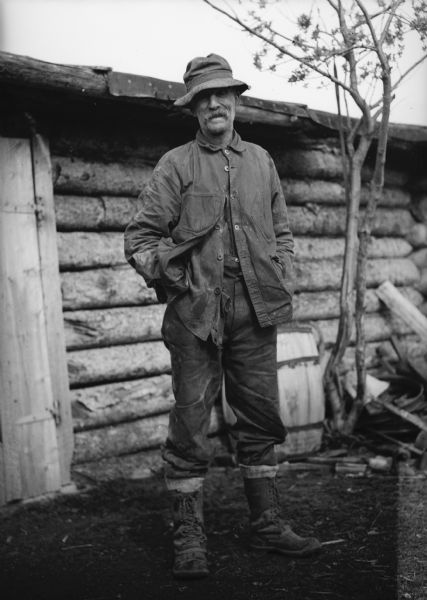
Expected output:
{"points": [[236, 143]]}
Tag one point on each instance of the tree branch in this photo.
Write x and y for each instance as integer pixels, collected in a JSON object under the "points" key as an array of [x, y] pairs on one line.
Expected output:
{"points": [[282, 49], [397, 83], [352, 62], [378, 42], [411, 68], [334, 6], [388, 23]]}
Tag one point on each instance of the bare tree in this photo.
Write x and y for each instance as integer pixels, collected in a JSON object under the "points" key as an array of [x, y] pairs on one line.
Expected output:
{"points": [[360, 52]]}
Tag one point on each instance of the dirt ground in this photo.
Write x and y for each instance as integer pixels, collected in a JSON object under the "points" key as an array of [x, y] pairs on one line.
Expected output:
{"points": [[113, 541]]}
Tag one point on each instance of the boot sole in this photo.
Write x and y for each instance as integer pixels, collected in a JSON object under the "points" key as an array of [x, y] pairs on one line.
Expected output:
{"points": [[292, 553], [190, 574]]}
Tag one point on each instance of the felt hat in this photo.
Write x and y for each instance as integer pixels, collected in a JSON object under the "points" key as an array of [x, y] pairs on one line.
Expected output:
{"points": [[208, 72]]}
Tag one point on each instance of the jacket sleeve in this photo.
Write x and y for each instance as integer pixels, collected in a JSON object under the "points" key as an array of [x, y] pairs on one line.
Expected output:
{"points": [[284, 237], [152, 225]]}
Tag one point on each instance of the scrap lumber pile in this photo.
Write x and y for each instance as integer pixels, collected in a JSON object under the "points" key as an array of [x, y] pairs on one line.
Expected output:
{"points": [[398, 414]]}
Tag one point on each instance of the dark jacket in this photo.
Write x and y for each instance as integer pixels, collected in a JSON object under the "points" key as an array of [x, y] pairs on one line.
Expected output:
{"points": [[176, 242]]}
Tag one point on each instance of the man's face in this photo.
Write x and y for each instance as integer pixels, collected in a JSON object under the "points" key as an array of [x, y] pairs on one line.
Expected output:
{"points": [[215, 110]]}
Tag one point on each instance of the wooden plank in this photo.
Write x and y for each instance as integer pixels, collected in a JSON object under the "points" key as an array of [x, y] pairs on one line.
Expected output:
{"points": [[30, 450], [37, 439], [98, 288], [121, 286], [372, 359], [403, 308], [111, 144], [132, 324], [419, 206], [317, 220], [89, 213], [319, 248], [49, 269], [139, 465], [419, 258], [84, 249], [144, 359], [10, 379], [319, 275], [105, 327], [318, 191], [89, 249], [47, 75], [325, 305], [120, 439], [324, 163], [77, 176], [377, 327], [375, 350], [80, 213], [417, 236], [118, 141], [106, 365], [410, 344], [102, 405], [126, 438]]}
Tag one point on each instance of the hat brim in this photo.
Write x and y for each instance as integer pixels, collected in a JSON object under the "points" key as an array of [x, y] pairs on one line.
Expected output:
{"points": [[207, 85]]}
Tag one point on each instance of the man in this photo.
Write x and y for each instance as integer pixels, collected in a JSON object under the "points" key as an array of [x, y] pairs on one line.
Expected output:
{"points": [[213, 239]]}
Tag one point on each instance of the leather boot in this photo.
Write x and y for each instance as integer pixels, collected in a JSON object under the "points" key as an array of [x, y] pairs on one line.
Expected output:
{"points": [[268, 530], [189, 539]]}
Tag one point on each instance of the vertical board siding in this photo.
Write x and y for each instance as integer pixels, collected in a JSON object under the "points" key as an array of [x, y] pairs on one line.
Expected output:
{"points": [[29, 442], [49, 265]]}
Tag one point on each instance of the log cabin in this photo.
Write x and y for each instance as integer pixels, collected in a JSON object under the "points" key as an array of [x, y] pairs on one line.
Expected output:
{"points": [[85, 377]]}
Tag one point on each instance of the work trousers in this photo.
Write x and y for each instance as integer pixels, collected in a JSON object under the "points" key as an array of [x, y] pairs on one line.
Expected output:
{"points": [[247, 360]]}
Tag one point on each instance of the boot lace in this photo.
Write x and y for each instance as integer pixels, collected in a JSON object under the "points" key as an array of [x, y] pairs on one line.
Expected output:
{"points": [[190, 525]]}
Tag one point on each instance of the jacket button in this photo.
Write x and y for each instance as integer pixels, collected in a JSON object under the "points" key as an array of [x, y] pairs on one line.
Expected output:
{"points": [[217, 291], [217, 226], [237, 227], [226, 168], [219, 257]]}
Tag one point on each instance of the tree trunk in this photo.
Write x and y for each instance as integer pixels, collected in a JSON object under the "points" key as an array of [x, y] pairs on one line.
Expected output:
{"points": [[377, 185], [347, 282]]}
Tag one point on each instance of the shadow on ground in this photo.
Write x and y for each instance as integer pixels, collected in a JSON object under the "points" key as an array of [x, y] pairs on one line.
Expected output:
{"points": [[114, 542]]}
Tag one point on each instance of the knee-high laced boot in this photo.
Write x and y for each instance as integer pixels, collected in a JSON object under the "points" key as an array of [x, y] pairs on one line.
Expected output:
{"points": [[189, 539], [268, 530]]}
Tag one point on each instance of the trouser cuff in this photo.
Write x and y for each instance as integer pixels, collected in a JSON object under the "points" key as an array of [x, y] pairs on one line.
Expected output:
{"points": [[258, 471], [186, 485]]}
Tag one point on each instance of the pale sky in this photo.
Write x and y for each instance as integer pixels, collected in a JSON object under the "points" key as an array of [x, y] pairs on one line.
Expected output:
{"points": [[158, 37]]}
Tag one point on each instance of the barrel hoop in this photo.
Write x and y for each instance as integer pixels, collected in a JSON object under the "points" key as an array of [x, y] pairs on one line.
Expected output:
{"points": [[294, 362], [306, 427]]}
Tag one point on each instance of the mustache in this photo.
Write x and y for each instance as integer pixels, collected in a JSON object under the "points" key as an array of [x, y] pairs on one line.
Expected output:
{"points": [[218, 113]]}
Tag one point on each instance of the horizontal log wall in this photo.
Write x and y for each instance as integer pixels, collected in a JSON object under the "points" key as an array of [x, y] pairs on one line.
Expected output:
{"points": [[119, 368]]}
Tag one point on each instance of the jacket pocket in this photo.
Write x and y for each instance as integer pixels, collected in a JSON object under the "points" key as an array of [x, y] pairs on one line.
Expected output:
{"points": [[277, 265], [172, 266], [199, 213], [284, 273]]}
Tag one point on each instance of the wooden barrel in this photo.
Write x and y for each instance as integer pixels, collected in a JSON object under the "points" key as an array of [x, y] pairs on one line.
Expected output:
{"points": [[302, 401]]}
